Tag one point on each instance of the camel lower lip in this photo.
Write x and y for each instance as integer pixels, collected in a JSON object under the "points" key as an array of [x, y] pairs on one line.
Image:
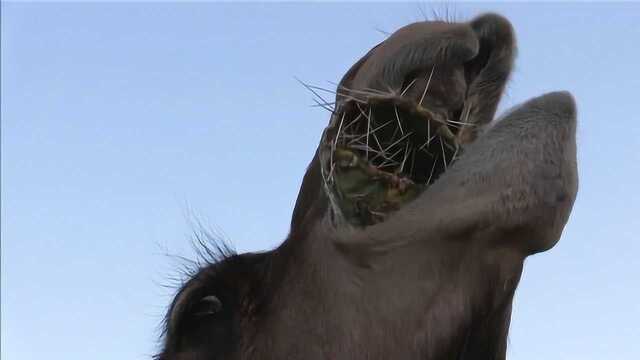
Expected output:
{"points": [[382, 151]]}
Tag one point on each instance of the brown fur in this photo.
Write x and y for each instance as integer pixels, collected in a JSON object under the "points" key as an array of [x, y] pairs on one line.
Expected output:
{"points": [[436, 279]]}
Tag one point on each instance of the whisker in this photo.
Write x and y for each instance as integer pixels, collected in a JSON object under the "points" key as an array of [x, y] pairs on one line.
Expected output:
{"points": [[349, 97], [460, 123], [369, 92], [466, 120], [455, 126], [427, 143], [312, 90], [444, 158], [349, 89], [390, 162], [408, 86], [397, 141], [378, 91], [335, 142], [332, 104], [455, 154], [376, 139], [406, 156], [364, 147], [324, 106], [395, 108], [372, 131], [435, 15], [390, 158], [321, 88], [450, 147], [382, 31], [330, 177], [427, 86], [362, 112], [368, 128], [353, 121], [465, 114], [413, 160], [426, 152], [431, 173], [424, 16]]}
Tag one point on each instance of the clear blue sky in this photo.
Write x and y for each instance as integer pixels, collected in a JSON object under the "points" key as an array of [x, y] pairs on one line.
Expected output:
{"points": [[119, 120]]}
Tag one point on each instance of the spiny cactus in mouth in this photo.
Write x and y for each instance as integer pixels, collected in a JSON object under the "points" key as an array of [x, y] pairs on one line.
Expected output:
{"points": [[381, 149]]}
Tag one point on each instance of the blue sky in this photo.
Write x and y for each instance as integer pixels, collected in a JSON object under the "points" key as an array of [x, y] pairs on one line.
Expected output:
{"points": [[120, 122]]}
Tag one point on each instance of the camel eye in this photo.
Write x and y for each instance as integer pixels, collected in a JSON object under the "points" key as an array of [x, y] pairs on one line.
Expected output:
{"points": [[208, 305]]}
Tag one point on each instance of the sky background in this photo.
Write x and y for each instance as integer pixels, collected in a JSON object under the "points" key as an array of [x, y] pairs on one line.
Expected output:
{"points": [[121, 122]]}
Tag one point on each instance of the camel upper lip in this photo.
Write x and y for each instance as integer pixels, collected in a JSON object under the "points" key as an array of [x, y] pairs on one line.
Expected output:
{"points": [[486, 44], [414, 48]]}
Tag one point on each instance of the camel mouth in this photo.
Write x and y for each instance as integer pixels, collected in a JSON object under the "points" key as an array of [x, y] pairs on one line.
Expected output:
{"points": [[383, 148]]}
